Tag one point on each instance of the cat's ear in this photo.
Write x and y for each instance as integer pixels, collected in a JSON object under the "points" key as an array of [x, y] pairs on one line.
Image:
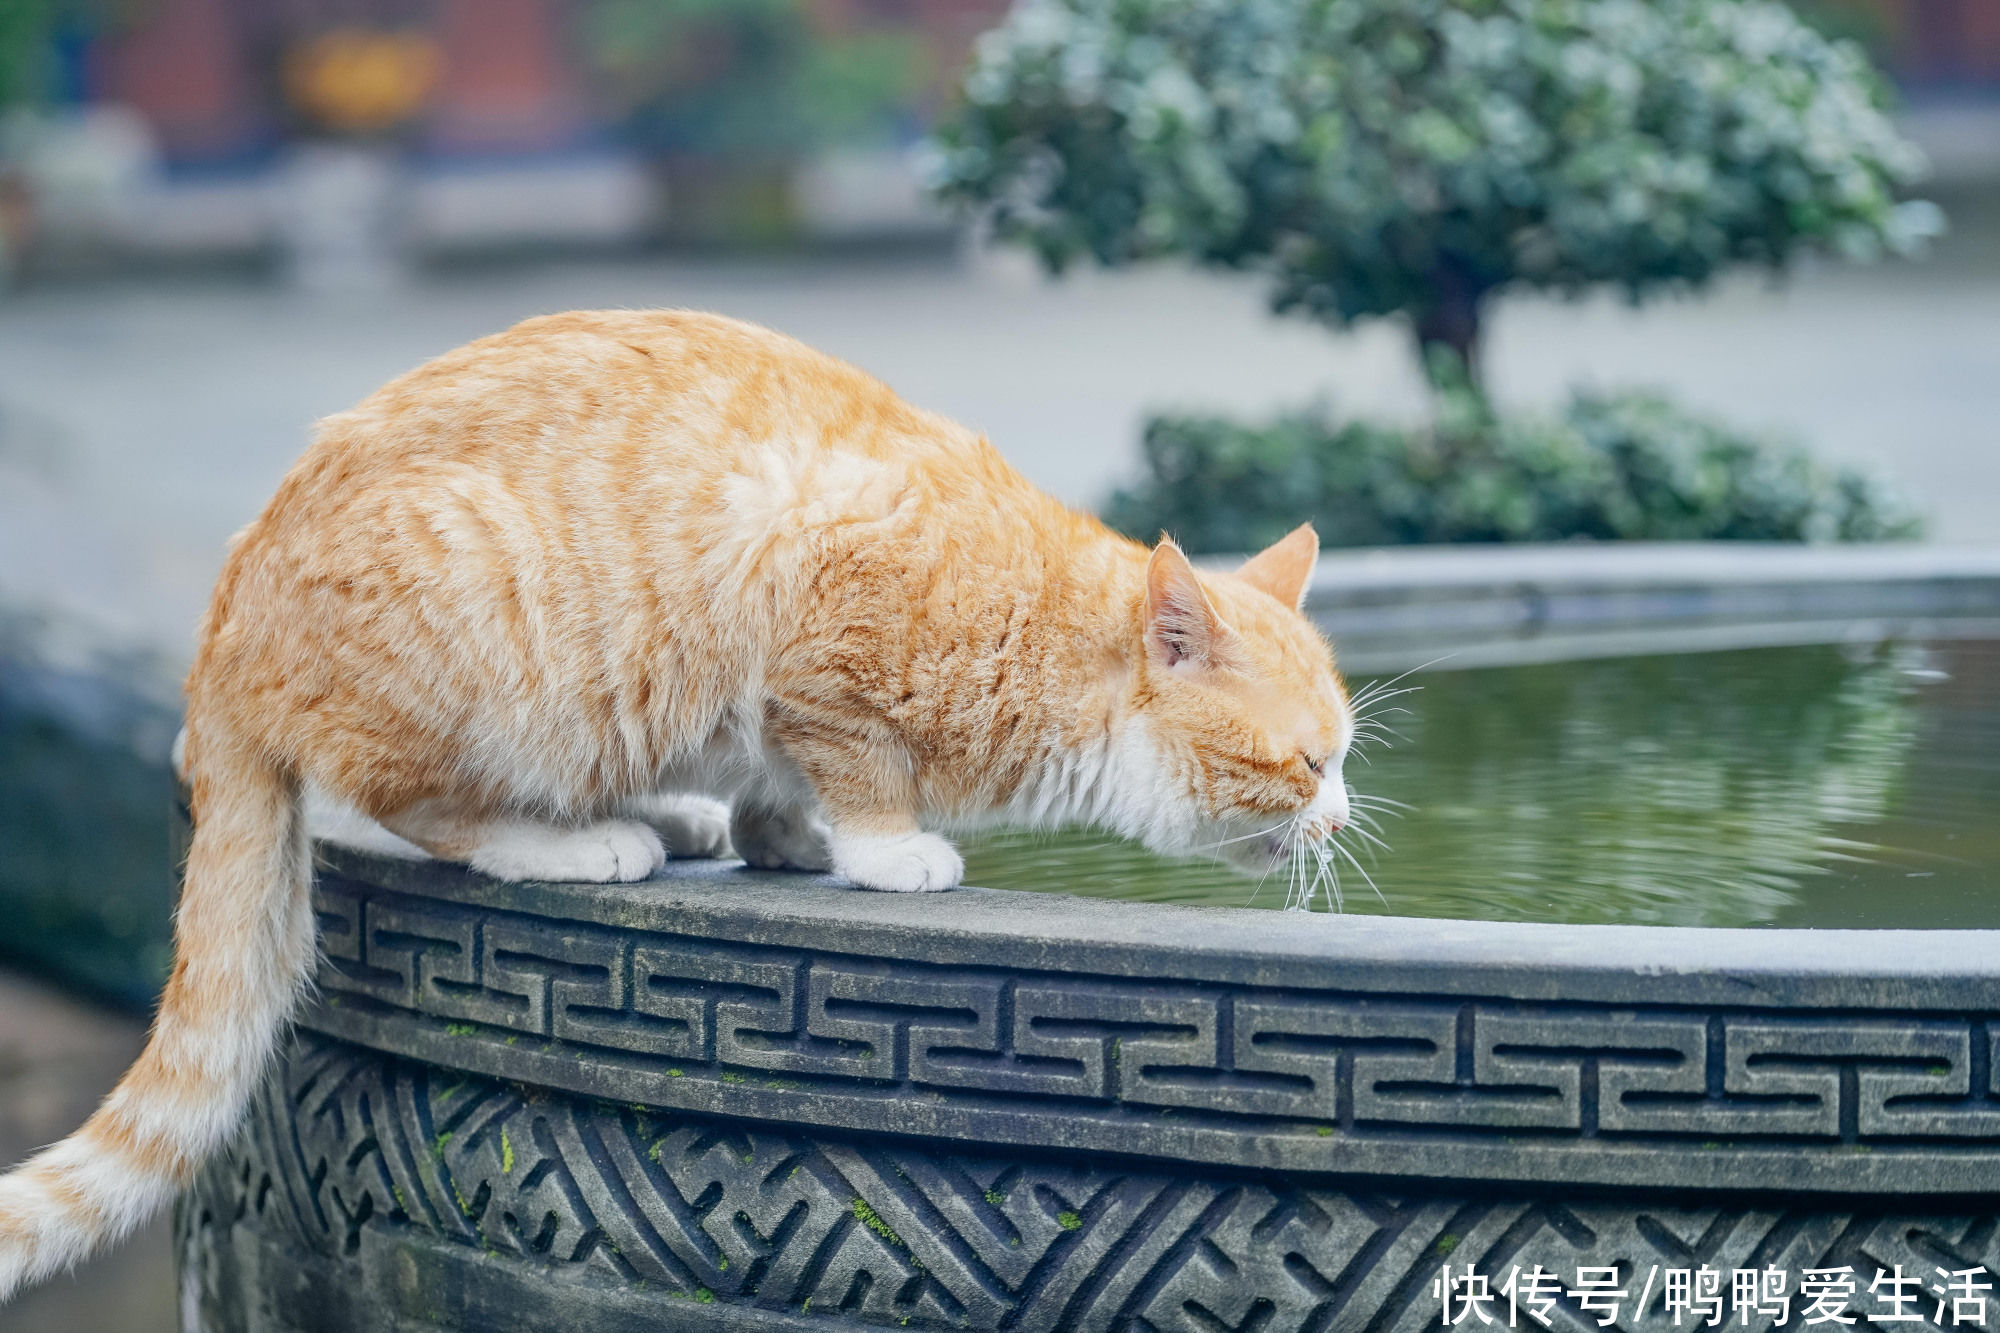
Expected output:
{"points": [[1284, 568], [1182, 630]]}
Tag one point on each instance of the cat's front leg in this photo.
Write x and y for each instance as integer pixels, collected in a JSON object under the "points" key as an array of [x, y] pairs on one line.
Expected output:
{"points": [[861, 775], [692, 827], [906, 862], [516, 847], [771, 833]]}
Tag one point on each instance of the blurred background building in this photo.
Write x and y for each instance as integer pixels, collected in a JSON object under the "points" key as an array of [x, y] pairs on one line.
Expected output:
{"points": [[174, 129]]}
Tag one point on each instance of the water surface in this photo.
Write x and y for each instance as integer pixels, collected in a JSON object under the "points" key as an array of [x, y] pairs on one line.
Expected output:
{"points": [[1816, 786]]}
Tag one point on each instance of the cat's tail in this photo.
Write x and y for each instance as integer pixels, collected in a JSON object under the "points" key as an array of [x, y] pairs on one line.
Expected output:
{"points": [[244, 947]]}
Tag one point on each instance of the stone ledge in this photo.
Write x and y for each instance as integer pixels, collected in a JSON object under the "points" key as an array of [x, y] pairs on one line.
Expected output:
{"points": [[1492, 605], [1612, 1056]]}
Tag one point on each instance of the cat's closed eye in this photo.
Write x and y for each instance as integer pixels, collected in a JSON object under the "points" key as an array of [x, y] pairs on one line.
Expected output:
{"points": [[1318, 766]]}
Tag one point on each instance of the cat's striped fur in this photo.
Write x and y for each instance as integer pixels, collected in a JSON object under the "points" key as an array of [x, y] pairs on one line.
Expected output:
{"points": [[608, 555]]}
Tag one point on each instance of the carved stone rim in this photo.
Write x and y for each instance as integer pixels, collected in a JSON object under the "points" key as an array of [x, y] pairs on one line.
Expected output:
{"points": [[1846, 1062], [1753, 967]]}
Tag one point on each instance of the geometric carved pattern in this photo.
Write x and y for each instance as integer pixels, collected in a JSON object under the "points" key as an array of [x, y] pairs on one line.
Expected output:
{"points": [[1320, 1079], [589, 1198]]}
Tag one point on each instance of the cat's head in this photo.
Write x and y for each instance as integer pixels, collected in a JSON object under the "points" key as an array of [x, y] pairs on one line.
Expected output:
{"points": [[1239, 711]]}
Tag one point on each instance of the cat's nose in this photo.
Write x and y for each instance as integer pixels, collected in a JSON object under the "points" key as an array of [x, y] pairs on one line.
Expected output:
{"points": [[1331, 806]]}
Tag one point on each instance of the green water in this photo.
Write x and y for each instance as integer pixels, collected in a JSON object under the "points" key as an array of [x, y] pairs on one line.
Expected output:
{"points": [[1814, 786]]}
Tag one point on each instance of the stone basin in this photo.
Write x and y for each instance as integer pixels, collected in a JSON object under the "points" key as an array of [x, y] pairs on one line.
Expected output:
{"points": [[723, 1099]]}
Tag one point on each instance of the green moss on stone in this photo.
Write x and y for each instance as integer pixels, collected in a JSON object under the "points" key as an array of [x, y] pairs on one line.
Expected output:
{"points": [[869, 1218]]}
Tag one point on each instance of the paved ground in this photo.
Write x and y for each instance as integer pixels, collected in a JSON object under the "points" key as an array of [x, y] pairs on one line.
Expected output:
{"points": [[142, 422], [57, 1058]]}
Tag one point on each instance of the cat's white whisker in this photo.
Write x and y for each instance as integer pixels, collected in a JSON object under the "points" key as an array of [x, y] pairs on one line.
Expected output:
{"points": [[1245, 837], [1292, 899], [1379, 704], [1339, 849], [1329, 874], [1364, 834], [1374, 687]]}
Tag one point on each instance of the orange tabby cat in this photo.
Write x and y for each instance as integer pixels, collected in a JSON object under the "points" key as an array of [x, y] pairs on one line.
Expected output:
{"points": [[517, 599]]}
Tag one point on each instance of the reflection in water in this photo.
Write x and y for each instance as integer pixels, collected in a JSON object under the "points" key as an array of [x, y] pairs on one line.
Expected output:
{"points": [[1795, 786]]}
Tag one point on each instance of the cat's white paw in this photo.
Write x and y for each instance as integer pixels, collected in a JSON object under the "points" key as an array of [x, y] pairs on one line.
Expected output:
{"points": [[617, 850], [790, 838], [693, 827], [898, 863]]}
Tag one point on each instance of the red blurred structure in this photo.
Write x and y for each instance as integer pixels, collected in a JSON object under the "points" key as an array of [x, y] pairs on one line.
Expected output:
{"points": [[200, 70], [1945, 42]]}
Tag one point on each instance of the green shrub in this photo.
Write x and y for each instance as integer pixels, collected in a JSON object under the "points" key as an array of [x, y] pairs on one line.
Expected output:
{"points": [[1615, 466]]}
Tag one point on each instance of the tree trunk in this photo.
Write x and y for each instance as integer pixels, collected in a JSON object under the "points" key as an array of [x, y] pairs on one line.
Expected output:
{"points": [[1451, 323]]}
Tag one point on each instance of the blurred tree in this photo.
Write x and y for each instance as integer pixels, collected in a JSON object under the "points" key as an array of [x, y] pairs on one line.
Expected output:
{"points": [[1869, 22], [1422, 156], [26, 49], [752, 79], [41, 48], [31, 43]]}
